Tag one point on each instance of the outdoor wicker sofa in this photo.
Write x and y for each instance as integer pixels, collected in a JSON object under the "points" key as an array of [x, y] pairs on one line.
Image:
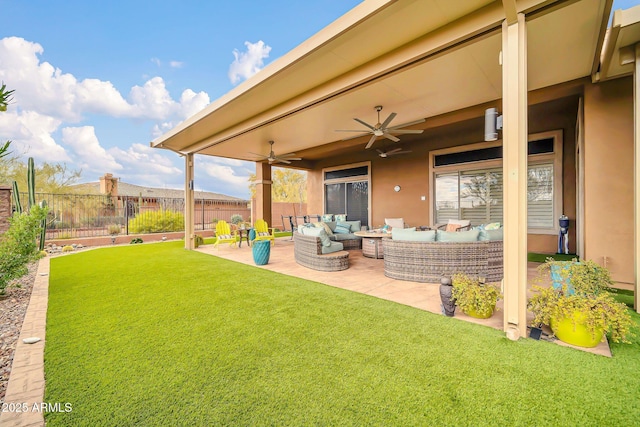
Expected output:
{"points": [[429, 261], [308, 253]]}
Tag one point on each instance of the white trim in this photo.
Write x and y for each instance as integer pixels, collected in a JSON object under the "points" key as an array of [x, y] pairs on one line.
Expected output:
{"points": [[533, 159]]}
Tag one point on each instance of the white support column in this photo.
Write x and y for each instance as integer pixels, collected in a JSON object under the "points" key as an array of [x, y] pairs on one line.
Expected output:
{"points": [[189, 203], [514, 143], [636, 178]]}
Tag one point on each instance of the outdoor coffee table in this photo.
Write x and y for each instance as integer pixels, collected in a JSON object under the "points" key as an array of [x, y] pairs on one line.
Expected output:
{"points": [[244, 232], [372, 243]]}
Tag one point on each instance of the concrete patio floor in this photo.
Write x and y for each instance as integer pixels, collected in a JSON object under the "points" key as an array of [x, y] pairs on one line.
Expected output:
{"points": [[366, 275]]}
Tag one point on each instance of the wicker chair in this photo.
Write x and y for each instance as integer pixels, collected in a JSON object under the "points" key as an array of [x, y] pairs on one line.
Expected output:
{"points": [[308, 253]]}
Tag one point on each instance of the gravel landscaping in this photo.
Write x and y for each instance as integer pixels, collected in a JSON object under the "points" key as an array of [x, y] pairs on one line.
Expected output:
{"points": [[12, 310]]}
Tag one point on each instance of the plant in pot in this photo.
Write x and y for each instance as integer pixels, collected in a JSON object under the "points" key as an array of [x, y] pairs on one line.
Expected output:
{"points": [[475, 297], [579, 308]]}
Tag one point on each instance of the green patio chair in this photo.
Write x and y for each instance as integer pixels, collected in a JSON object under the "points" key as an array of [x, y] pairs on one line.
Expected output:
{"points": [[224, 234], [264, 232]]}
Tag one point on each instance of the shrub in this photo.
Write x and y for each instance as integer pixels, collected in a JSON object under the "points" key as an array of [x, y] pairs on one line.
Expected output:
{"points": [[18, 245], [135, 241], [67, 248], [236, 219], [113, 229], [198, 240], [472, 295], [157, 222]]}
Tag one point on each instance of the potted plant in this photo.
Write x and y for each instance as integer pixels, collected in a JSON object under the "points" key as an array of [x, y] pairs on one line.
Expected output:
{"points": [[474, 297], [579, 308]]}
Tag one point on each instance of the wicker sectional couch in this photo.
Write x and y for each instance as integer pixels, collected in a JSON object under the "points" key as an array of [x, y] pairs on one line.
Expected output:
{"points": [[308, 253], [429, 261]]}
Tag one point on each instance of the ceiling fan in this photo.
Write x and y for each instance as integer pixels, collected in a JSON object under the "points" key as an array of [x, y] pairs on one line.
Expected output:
{"points": [[383, 129], [272, 158], [395, 151]]}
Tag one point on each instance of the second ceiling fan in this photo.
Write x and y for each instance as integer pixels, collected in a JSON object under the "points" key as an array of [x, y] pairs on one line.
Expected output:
{"points": [[383, 129]]}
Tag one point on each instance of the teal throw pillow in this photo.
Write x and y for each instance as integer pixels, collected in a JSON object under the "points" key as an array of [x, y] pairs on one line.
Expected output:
{"points": [[327, 217], [317, 232], [340, 217], [340, 229], [488, 235]]}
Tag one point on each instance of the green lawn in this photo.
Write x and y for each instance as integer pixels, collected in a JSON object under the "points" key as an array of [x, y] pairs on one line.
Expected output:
{"points": [[156, 335]]}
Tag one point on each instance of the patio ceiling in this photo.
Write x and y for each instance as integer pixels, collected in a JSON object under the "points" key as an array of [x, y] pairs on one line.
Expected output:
{"points": [[419, 59]]}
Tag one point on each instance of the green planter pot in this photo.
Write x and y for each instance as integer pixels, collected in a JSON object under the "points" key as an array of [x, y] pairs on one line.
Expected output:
{"points": [[261, 251], [480, 314], [579, 335]]}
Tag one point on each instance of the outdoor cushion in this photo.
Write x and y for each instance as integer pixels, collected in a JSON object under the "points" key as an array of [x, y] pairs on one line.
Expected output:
{"points": [[411, 235], [332, 225], [325, 226], [343, 236], [457, 236], [317, 232], [224, 236], [327, 218], [341, 229], [491, 234], [493, 226], [394, 222], [333, 247], [340, 217], [263, 233], [353, 225]]}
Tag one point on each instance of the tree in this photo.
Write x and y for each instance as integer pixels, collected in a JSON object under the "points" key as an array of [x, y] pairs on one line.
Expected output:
{"points": [[5, 98], [50, 177], [288, 185]]}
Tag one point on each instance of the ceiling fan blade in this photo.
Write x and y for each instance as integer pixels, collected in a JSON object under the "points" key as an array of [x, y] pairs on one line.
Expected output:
{"points": [[395, 150], [365, 124], [405, 131], [289, 158], [350, 130], [261, 156], [287, 155], [371, 141], [391, 137], [380, 151], [398, 152], [404, 125], [386, 122], [279, 160]]}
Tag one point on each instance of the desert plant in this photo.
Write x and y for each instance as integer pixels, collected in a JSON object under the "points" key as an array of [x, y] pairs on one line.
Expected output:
{"points": [[473, 296], [18, 245], [67, 248], [198, 240], [113, 229], [236, 219], [157, 222], [585, 289], [135, 241]]}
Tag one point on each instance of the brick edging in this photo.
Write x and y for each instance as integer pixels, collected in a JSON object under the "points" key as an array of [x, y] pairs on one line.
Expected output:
{"points": [[25, 389]]}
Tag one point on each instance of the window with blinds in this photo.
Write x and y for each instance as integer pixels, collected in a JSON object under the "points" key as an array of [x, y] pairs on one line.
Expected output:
{"points": [[477, 196], [468, 183], [346, 190]]}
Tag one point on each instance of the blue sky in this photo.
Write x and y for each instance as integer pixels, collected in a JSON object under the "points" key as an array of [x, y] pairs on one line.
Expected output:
{"points": [[96, 81]]}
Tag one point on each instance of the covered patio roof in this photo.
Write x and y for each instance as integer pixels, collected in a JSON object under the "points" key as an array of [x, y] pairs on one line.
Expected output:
{"points": [[418, 58]]}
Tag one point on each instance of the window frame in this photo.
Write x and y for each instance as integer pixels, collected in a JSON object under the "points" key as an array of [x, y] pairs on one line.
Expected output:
{"points": [[350, 179], [534, 159]]}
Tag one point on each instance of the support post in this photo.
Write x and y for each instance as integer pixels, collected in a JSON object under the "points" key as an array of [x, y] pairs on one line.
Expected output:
{"points": [[636, 178], [514, 143], [189, 203], [263, 192]]}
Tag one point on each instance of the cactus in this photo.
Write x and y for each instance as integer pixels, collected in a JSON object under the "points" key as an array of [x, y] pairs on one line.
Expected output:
{"points": [[16, 198], [31, 182], [43, 226]]}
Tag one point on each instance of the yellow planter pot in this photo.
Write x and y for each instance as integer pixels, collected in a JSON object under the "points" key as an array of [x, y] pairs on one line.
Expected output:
{"points": [[579, 335], [480, 314]]}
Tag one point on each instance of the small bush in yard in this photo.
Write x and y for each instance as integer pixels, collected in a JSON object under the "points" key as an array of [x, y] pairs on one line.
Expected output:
{"points": [[18, 245], [157, 222], [67, 248]]}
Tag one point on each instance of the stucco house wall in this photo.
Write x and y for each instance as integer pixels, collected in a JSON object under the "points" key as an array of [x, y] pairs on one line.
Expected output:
{"points": [[608, 187], [411, 171]]}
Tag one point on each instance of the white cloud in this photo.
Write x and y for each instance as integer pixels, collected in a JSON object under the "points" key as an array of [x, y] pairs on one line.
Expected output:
{"points": [[87, 149], [176, 64], [156, 61], [41, 87], [229, 176], [31, 135], [246, 64], [148, 166]]}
